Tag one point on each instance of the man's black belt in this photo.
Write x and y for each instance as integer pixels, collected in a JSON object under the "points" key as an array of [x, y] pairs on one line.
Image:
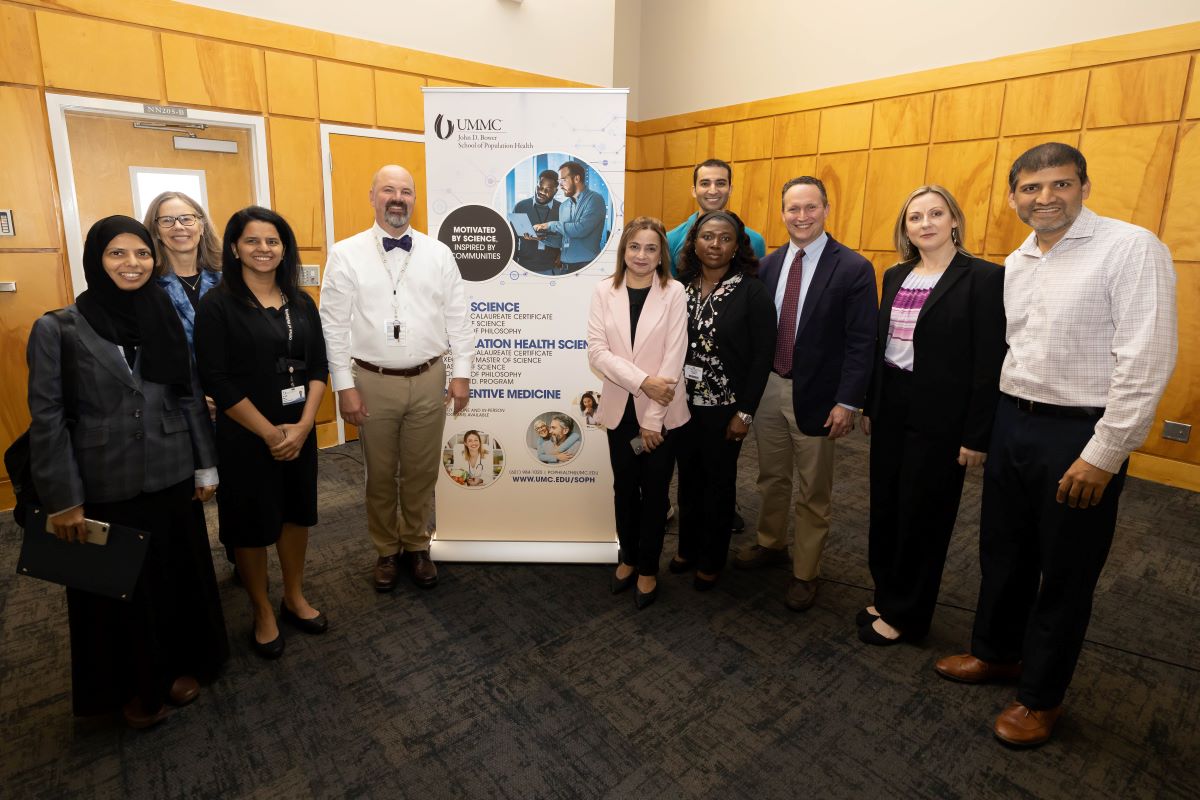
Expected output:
{"points": [[1050, 410], [411, 372]]}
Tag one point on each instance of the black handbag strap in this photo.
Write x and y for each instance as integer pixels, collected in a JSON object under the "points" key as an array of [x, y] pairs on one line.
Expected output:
{"points": [[70, 365]]}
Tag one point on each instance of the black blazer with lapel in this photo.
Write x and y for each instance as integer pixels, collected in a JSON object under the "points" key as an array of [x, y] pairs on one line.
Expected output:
{"points": [[958, 348], [835, 339]]}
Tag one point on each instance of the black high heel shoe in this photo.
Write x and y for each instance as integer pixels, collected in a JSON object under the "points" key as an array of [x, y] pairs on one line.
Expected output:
{"points": [[864, 617], [617, 585], [642, 599]]}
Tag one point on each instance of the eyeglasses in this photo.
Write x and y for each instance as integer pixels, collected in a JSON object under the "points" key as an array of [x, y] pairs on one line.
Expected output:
{"points": [[186, 220]]}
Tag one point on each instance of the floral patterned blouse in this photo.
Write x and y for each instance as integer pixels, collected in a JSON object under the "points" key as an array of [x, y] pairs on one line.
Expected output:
{"points": [[704, 316]]}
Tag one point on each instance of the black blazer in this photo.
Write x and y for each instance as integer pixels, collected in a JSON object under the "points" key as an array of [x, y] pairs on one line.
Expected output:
{"points": [[130, 436], [744, 332], [958, 348], [835, 340]]}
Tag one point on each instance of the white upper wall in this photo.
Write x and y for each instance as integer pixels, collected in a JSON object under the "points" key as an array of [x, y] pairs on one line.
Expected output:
{"points": [[532, 36], [698, 54]]}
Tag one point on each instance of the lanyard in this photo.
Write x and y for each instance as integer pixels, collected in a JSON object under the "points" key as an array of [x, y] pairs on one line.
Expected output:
{"points": [[396, 280], [723, 287]]}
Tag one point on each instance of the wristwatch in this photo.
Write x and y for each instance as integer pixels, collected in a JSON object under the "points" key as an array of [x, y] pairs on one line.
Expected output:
{"points": [[744, 417]]}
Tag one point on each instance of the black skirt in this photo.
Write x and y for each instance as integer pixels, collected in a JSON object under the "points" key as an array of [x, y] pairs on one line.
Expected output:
{"points": [[258, 494], [173, 626]]}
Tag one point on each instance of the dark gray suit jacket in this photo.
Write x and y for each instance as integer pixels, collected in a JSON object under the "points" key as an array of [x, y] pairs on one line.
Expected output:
{"points": [[131, 436]]}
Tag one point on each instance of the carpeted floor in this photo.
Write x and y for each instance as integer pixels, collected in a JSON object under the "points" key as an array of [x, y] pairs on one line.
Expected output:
{"points": [[518, 681]]}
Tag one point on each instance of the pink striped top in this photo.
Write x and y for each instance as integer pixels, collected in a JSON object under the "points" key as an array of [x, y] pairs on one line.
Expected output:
{"points": [[899, 351]]}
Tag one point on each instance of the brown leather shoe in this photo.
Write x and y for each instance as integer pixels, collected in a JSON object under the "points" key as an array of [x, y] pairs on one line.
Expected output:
{"points": [[756, 556], [422, 568], [137, 718], [966, 668], [1019, 726], [385, 573], [184, 690], [801, 594]]}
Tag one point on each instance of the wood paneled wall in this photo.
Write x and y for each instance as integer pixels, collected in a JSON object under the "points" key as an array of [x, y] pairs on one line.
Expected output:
{"points": [[1131, 103], [167, 53]]}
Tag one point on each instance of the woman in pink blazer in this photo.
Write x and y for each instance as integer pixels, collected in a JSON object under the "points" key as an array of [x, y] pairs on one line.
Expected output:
{"points": [[637, 339]]}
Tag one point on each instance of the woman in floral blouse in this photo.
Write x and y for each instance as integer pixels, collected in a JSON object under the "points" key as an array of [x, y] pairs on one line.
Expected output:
{"points": [[731, 339]]}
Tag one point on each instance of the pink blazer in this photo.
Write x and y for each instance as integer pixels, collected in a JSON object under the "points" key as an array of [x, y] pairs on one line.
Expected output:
{"points": [[660, 349]]}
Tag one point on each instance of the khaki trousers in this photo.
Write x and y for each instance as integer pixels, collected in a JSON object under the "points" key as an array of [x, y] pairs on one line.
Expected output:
{"points": [[401, 441], [782, 451]]}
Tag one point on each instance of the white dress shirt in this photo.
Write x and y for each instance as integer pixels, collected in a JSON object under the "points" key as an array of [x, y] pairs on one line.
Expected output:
{"points": [[1092, 323], [357, 303]]}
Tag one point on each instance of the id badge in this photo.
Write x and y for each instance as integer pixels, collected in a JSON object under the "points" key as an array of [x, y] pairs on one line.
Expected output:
{"points": [[395, 333], [693, 372], [293, 395]]}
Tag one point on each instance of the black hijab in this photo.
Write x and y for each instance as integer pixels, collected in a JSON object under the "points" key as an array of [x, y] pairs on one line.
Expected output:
{"points": [[142, 318]]}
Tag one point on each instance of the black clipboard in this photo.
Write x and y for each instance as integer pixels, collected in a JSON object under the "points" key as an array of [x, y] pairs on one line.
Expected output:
{"points": [[110, 569]]}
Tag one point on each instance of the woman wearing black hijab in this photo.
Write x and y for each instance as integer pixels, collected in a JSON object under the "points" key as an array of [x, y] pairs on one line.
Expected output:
{"points": [[134, 451]]}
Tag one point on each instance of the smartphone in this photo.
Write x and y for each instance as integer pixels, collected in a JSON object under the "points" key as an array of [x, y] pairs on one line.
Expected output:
{"points": [[97, 531], [638, 445]]}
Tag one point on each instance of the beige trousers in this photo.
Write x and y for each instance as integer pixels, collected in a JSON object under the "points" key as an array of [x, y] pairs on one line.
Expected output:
{"points": [[402, 446], [782, 451]]}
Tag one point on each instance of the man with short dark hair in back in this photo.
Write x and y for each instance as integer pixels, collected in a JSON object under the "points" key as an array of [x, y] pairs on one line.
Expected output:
{"points": [[712, 181], [826, 302], [540, 253], [1091, 331]]}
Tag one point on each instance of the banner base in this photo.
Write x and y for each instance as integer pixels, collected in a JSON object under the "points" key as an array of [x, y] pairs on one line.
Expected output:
{"points": [[524, 552]]}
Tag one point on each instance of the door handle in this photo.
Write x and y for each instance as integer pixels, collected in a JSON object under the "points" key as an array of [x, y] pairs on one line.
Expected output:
{"points": [[8, 286]]}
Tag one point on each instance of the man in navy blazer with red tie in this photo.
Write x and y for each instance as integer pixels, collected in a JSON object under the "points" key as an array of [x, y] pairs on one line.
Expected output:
{"points": [[826, 304]]}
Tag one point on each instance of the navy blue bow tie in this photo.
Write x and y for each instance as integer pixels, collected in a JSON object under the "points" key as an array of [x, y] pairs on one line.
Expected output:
{"points": [[390, 244]]}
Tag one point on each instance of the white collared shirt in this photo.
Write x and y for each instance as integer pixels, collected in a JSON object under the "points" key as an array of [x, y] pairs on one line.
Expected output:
{"points": [[812, 254], [357, 302], [1092, 323]]}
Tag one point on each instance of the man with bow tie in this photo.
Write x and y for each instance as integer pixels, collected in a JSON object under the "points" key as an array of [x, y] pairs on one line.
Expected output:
{"points": [[392, 304]]}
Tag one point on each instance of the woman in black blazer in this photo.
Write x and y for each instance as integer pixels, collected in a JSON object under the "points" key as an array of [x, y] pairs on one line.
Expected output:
{"points": [[929, 410], [731, 341], [134, 449]]}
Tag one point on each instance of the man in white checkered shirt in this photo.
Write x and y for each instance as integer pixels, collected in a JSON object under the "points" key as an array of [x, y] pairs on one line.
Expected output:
{"points": [[1090, 303]]}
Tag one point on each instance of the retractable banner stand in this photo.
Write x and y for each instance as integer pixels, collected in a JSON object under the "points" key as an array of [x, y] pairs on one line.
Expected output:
{"points": [[526, 188]]}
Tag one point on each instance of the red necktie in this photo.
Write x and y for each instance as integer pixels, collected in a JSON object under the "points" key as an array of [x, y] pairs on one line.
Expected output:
{"points": [[785, 339]]}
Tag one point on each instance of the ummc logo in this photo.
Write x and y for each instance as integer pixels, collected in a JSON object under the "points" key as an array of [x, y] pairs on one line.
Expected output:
{"points": [[444, 128]]}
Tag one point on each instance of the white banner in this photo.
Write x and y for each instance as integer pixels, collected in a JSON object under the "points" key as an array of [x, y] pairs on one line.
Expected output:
{"points": [[526, 187]]}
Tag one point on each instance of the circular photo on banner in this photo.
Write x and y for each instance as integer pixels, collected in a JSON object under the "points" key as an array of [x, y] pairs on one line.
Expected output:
{"points": [[560, 213], [480, 240], [589, 408], [554, 438], [473, 459]]}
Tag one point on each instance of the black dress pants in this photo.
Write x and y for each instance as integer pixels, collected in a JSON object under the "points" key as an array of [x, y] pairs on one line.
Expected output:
{"points": [[916, 484], [640, 493], [1040, 559], [707, 487]]}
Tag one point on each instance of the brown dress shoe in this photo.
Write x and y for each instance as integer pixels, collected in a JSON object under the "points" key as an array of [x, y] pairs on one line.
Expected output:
{"points": [[966, 668], [1023, 727], [801, 594], [136, 717], [424, 571], [385, 573], [756, 556], [184, 690]]}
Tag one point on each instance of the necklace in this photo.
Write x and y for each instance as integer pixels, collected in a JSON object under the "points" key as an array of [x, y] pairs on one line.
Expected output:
{"points": [[193, 285]]}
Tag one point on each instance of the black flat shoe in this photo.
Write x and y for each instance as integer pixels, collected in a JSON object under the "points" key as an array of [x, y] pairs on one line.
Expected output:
{"points": [[678, 566], [642, 599], [318, 624], [868, 635], [617, 585], [703, 584], [268, 650], [864, 617]]}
